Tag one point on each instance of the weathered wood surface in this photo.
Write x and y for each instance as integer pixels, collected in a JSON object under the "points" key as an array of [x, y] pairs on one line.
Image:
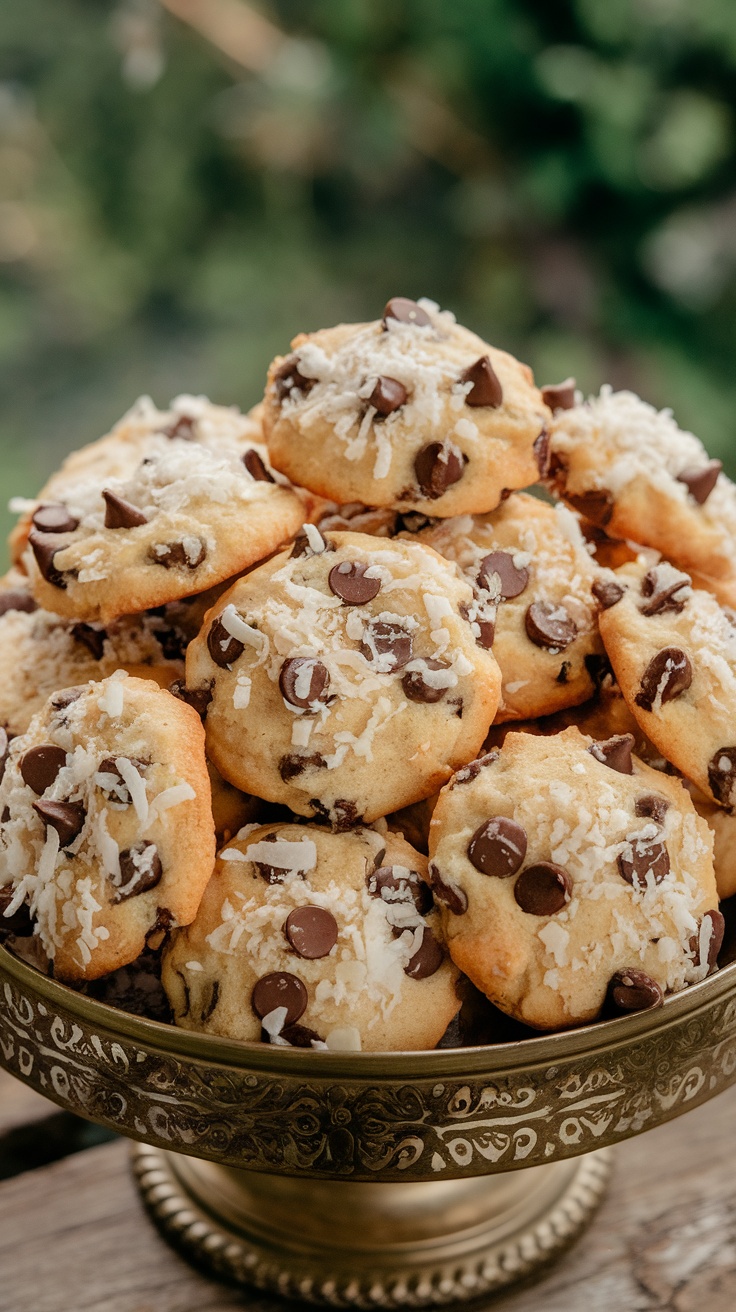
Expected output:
{"points": [[73, 1236]]}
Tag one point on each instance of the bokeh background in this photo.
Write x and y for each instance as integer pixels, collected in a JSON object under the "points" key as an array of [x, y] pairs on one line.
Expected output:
{"points": [[184, 184]]}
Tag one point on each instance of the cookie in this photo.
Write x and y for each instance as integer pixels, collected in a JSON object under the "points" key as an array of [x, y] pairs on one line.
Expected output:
{"points": [[411, 411], [571, 874], [314, 939], [195, 505], [343, 678], [532, 574], [106, 829], [629, 469]]}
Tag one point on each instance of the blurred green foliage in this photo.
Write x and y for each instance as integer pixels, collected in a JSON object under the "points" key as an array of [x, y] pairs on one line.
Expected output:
{"points": [[183, 187]]}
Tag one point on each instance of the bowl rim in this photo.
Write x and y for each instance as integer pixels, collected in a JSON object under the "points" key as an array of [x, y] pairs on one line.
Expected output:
{"points": [[596, 1038]]}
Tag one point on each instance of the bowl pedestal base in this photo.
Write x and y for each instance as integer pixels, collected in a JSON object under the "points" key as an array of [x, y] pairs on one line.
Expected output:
{"points": [[342, 1243]]}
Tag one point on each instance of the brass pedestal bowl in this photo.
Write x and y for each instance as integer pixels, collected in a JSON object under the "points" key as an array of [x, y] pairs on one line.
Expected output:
{"points": [[379, 1180]]}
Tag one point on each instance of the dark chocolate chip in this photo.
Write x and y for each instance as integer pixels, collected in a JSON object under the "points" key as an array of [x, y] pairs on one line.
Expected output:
{"points": [[473, 768], [287, 380], [222, 646], [608, 592], [39, 766], [716, 927], [293, 765], [564, 672], [198, 698], [652, 807], [60, 700], [311, 931], [173, 555], [118, 790], [304, 681], [667, 675], [120, 513], [418, 689], [663, 596], [159, 930], [349, 581], [498, 847], [387, 395], [428, 957], [615, 752], [397, 884], [484, 630], [212, 1002], [633, 990], [4, 746], [645, 857], [303, 547], [594, 505], [722, 774], [140, 870], [513, 578], [67, 818], [543, 889], [17, 600], [560, 396], [279, 989], [405, 311], [54, 519], [437, 466], [549, 625], [541, 452], [391, 644], [44, 547], [700, 481], [486, 387], [256, 466], [455, 899], [185, 428], [344, 815], [91, 638], [300, 1036]]}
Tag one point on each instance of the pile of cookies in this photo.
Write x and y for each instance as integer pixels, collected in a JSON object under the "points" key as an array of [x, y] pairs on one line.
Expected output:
{"points": [[319, 723]]}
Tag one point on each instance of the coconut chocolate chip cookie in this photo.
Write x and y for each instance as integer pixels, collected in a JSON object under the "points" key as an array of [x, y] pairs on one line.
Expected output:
{"points": [[106, 830], [532, 577], [343, 677], [314, 939], [570, 873], [412, 411], [192, 504], [629, 469]]}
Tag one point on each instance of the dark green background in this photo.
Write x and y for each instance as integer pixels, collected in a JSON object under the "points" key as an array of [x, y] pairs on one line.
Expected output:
{"points": [[176, 204]]}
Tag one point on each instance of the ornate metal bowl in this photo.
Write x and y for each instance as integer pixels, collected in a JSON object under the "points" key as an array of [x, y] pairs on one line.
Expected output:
{"points": [[296, 1132]]}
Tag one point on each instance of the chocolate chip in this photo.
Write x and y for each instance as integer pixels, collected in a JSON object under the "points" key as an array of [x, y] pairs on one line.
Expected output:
{"points": [[60, 700], [541, 451], [214, 998], [390, 644], [598, 668], [484, 630], [159, 930], [17, 600], [543, 889], [287, 380], [513, 578], [118, 791], [39, 766], [67, 818], [387, 396], [174, 555], [722, 774], [455, 899], [349, 581], [437, 466], [344, 815], [256, 467], [700, 481], [607, 592], [549, 625], [292, 765], [44, 547], [304, 681], [184, 427], [652, 807], [564, 672], [473, 768], [594, 505], [405, 311], [311, 931], [486, 387], [644, 857], [91, 638], [4, 746], [140, 870], [428, 957], [222, 646], [120, 513], [498, 847], [416, 686], [667, 675], [279, 989], [663, 596], [54, 519], [303, 547], [198, 698], [397, 884], [615, 752], [560, 396], [633, 990], [716, 928], [300, 1036]]}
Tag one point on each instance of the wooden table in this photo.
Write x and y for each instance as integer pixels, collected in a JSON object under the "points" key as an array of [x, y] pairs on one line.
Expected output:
{"points": [[73, 1236]]}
